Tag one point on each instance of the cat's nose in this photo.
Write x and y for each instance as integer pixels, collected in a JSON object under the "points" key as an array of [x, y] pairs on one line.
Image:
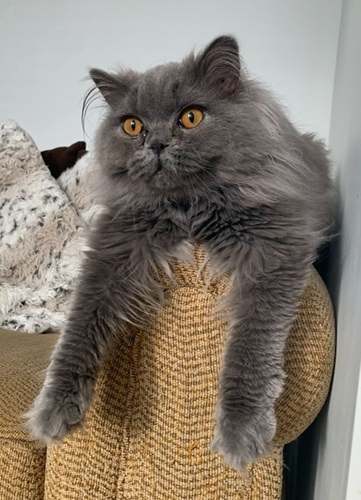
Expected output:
{"points": [[158, 146]]}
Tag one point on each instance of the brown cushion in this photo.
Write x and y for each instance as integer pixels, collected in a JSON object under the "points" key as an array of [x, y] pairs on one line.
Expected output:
{"points": [[22, 469], [23, 356]]}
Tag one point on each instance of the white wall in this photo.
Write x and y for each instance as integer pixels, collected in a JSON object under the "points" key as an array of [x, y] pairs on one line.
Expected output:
{"points": [[47, 47], [338, 474]]}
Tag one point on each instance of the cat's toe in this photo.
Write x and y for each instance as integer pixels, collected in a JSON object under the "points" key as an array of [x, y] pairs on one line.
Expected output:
{"points": [[56, 413], [243, 439]]}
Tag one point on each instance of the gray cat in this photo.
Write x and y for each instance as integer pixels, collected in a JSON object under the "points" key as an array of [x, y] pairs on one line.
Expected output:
{"points": [[196, 152]]}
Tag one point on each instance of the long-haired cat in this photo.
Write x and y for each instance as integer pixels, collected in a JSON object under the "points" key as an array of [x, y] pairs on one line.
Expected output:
{"points": [[196, 152]]}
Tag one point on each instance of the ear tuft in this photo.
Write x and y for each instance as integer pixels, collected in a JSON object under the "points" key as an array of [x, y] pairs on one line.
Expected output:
{"points": [[219, 65], [109, 85]]}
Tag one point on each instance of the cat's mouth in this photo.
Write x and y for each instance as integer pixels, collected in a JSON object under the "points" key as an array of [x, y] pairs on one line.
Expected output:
{"points": [[164, 176], [165, 173], [159, 166]]}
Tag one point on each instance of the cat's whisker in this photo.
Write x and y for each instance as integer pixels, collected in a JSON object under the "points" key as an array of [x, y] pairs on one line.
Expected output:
{"points": [[92, 95], [207, 189]]}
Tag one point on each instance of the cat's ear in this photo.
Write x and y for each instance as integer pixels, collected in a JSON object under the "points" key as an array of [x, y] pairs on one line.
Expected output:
{"points": [[219, 65], [111, 86]]}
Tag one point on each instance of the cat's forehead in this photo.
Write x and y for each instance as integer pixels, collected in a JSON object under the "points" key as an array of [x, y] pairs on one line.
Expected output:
{"points": [[163, 90]]}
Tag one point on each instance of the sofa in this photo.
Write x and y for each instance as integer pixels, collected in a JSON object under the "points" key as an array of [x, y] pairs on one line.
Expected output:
{"points": [[148, 432]]}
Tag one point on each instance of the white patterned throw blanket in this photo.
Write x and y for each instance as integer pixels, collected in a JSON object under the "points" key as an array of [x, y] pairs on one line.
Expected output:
{"points": [[42, 226]]}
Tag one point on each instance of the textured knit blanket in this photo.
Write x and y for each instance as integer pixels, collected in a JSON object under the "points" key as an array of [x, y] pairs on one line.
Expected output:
{"points": [[42, 227]]}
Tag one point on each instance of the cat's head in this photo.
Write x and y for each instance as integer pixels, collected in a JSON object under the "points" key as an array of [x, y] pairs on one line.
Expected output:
{"points": [[168, 130]]}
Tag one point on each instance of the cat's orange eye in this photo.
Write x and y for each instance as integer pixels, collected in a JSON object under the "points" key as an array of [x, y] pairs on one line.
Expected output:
{"points": [[191, 117], [132, 126]]}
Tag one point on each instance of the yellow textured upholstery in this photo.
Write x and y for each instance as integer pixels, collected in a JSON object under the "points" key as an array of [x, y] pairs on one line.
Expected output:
{"points": [[148, 432]]}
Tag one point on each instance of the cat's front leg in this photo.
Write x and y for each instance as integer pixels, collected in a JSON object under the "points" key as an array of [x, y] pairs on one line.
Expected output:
{"points": [[264, 304], [116, 287], [70, 378]]}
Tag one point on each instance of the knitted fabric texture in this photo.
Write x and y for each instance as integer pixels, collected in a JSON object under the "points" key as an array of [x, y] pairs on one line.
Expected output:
{"points": [[148, 432]]}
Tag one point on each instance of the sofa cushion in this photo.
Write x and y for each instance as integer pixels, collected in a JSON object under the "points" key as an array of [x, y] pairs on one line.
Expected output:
{"points": [[23, 358]]}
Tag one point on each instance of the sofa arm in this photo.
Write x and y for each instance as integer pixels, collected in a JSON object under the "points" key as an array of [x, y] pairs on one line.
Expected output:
{"points": [[151, 423], [310, 353], [148, 431], [310, 347]]}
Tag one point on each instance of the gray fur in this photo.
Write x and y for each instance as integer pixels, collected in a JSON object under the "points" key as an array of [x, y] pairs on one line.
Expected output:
{"points": [[246, 184]]}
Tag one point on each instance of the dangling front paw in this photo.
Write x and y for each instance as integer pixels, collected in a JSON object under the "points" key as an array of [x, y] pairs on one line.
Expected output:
{"points": [[59, 408], [243, 438]]}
